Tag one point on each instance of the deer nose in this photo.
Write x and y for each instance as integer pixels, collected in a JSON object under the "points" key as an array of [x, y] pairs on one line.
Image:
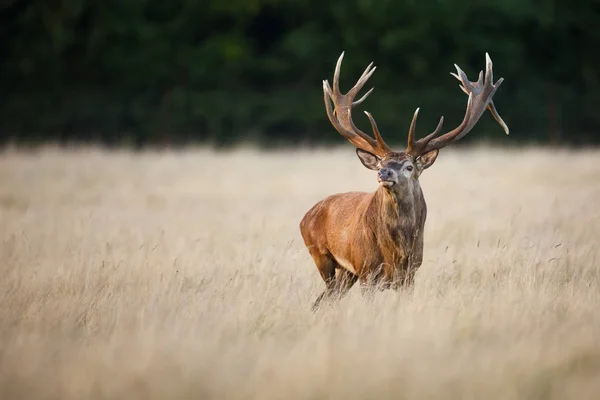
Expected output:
{"points": [[385, 173]]}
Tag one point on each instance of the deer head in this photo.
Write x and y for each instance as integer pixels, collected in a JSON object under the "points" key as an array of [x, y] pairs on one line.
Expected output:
{"points": [[397, 169]]}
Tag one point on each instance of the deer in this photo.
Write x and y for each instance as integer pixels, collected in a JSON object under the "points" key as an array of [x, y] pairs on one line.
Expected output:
{"points": [[377, 237]]}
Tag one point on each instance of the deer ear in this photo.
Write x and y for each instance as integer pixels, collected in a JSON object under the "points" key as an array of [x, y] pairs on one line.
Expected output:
{"points": [[427, 159], [369, 160]]}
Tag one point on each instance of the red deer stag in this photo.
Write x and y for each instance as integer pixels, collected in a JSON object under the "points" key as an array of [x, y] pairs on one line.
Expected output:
{"points": [[378, 237]]}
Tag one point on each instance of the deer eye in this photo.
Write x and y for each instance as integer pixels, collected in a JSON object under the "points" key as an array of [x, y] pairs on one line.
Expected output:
{"points": [[409, 168]]}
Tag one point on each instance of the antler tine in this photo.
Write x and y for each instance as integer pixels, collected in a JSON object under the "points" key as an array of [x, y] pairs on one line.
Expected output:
{"points": [[356, 88], [363, 79], [433, 134], [466, 86], [357, 102], [411, 131], [340, 115], [491, 107], [336, 73], [480, 94], [489, 73], [378, 137], [355, 139], [359, 84], [415, 148], [369, 71]]}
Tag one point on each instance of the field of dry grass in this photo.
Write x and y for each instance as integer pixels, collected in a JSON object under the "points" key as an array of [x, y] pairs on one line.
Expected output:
{"points": [[183, 275]]}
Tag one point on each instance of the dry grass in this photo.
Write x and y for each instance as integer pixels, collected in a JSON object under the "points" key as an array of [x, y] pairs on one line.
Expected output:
{"points": [[183, 275]]}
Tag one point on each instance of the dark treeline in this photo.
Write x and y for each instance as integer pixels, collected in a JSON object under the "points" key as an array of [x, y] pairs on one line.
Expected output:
{"points": [[155, 71]]}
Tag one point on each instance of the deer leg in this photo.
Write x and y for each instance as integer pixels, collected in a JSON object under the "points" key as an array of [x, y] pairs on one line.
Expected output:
{"points": [[408, 278], [326, 266], [371, 281], [389, 276], [337, 286], [317, 302], [344, 281], [400, 276]]}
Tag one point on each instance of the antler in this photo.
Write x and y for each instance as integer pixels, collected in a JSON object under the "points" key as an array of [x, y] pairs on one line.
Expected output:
{"points": [[480, 98], [341, 116]]}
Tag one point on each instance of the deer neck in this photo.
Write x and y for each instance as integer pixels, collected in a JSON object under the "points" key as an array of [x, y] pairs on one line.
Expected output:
{"points": [[399, 204], [399, 213], [395, 218]]}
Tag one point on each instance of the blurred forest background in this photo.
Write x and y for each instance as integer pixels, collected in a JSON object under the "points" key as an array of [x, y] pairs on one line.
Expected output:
{"points": [[171, 72]]}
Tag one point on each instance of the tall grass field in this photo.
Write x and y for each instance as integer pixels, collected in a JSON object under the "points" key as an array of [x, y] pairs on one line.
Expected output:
{"points": [[183, 275]]}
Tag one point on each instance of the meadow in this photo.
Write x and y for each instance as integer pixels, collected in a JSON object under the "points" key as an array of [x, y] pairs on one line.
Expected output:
{"points": [[182, 274]]}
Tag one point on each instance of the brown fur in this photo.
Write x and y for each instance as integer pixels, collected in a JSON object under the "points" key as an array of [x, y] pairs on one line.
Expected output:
{"points": [[376, 237]]}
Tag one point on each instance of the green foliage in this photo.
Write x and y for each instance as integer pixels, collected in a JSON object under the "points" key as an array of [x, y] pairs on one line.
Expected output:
{"points": [[151, 71]]}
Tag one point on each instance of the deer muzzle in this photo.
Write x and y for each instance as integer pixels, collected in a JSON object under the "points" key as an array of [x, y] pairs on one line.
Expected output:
{"points": [[387, 177]]}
